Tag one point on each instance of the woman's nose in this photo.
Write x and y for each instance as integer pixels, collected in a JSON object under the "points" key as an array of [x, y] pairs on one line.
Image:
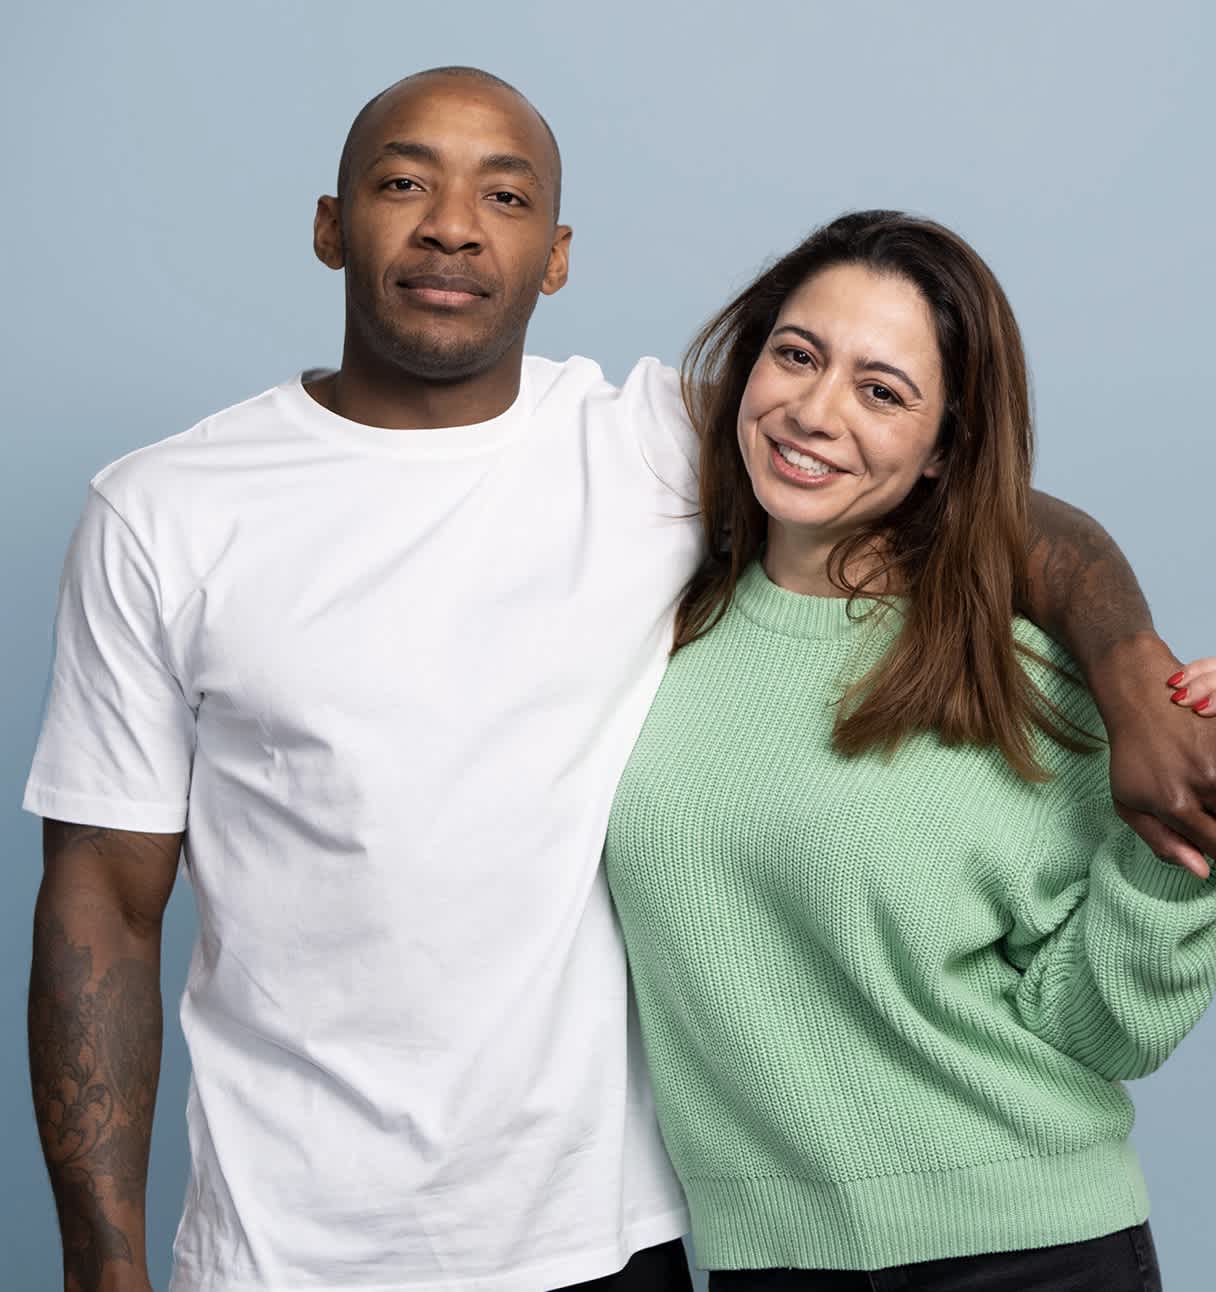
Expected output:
{"points": [[817, 408]]}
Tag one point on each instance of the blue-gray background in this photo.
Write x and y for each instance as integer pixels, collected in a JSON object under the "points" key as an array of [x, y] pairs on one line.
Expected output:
{"points": [[161, 165]]}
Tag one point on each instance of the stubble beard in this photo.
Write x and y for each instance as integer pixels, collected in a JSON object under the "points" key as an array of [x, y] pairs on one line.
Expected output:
{"points": [[430, 356]]}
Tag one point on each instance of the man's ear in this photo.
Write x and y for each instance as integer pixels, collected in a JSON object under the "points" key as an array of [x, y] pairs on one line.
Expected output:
{"points": [[558, 268], [327, 233]]}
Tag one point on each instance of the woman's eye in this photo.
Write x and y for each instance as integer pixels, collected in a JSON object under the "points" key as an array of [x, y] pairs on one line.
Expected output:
{"points": [[799, 358], [882, 394]]}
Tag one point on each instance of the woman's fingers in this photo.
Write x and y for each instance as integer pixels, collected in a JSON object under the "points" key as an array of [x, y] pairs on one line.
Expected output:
{"points": [[1194, 687]]}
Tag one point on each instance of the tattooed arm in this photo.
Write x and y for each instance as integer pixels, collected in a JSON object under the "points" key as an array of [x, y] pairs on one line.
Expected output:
{"points": [[95, 1040], [1163, 763]]}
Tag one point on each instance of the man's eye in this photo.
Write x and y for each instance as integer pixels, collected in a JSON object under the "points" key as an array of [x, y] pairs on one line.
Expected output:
{"points": [[400, 185], [504, 198]]}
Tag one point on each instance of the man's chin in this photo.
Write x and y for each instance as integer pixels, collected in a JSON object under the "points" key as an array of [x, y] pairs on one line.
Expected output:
{"points": [[442, 363], [441, 358]]}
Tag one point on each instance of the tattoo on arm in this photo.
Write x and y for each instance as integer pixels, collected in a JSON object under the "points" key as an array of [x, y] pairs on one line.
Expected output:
{"points": [[95, 1028], [1082, 590], [60, 837]]}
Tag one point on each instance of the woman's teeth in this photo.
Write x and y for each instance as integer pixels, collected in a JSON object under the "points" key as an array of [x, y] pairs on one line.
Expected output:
{"points": [[812, 466]]}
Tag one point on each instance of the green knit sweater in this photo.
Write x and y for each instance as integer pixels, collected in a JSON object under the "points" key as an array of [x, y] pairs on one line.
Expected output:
{"points": [[887, 1004]]}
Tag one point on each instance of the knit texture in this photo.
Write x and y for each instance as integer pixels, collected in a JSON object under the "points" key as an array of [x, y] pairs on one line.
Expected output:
{"points": [[887, 1002]]}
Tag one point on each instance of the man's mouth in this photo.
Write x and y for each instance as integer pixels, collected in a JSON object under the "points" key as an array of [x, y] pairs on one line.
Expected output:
{"points": [[444, 289]]}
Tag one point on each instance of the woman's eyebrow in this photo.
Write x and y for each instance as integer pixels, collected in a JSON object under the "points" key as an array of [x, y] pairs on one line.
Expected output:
{"points": [[877, 365], [805, 333], [862, 365]]}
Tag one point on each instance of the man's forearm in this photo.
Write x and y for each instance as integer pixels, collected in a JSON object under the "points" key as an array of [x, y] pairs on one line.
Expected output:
{"points": [[95, 1027], [1081, 590]]}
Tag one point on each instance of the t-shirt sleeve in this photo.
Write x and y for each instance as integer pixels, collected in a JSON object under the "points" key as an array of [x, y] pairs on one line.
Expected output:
{"points": [[669, 446], [117, 739]]}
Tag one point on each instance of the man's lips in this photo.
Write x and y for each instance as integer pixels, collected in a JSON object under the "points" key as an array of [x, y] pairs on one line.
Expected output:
{"points": [[444, 289]]}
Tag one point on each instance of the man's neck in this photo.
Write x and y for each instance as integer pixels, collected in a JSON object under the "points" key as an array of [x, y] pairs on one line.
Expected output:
{"points": [[393, 400]]}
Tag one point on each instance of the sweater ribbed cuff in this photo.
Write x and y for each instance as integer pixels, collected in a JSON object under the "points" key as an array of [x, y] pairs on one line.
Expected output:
{"points": [[1163, 880]]}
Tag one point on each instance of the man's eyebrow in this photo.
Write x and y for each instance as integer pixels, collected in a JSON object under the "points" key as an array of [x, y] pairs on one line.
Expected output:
{"points": [[502, 163], [407, 149], [862, 365], [513, 164]]}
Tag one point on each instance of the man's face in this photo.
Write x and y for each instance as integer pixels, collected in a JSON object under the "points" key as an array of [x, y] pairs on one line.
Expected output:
{"points": [[447, 229]]}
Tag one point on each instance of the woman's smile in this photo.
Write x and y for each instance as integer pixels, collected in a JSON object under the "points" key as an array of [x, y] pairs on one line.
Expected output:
{"points": [[806, 470]]}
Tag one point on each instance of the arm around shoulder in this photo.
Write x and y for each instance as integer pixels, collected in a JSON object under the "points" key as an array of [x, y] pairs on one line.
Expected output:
{"points": [[1163, 768]]}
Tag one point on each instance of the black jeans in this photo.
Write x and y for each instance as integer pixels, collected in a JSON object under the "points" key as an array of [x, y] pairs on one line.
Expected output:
{"points": [[656, 1269], [1121, 1262]]}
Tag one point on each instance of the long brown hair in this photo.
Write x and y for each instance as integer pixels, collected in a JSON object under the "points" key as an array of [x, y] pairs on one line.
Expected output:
{"points": [[956, 546]]}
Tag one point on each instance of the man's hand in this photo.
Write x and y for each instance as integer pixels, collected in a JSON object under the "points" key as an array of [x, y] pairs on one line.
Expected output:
{"points": [[1163, 762]]}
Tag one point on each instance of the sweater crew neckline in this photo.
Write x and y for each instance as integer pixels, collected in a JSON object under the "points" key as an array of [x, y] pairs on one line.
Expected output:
{"points": [[797, 614]]}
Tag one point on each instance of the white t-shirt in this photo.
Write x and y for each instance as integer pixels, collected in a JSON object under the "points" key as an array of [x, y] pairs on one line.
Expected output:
{"points": [[388, 680]]}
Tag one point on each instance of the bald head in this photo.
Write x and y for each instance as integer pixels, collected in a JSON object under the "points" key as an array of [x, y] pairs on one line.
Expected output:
{"points": [[417, 82]]}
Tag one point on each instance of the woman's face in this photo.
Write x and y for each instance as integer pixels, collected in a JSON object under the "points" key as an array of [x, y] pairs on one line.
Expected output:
{"points": [[841, 412]]}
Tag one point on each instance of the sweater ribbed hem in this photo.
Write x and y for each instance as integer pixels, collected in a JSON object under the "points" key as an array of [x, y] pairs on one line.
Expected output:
{"points": [[776, 1223]]}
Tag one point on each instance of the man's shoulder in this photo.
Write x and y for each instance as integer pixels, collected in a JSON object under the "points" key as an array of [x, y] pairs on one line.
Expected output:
{"points": [[215, 444], [1057, 678], [648, 400], [583, 376]]}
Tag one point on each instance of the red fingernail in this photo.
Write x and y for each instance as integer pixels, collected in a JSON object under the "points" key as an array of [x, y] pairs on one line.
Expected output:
{"points": [[1203, 704], [1173, 681], [1179, 696]]}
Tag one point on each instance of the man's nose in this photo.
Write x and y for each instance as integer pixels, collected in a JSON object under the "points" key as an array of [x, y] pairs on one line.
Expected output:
{"points": [[450, 225]]}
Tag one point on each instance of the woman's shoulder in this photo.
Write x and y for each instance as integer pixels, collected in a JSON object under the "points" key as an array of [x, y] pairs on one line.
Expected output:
{"points": [[1045, 657], [1069, 703]]}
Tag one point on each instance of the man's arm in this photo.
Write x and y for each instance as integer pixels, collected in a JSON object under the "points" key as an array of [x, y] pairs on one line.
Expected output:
{"points": [[95, 1027], [1163, 763]]}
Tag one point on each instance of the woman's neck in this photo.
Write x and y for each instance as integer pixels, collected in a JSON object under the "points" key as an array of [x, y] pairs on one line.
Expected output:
{"points": [[797, 560]]}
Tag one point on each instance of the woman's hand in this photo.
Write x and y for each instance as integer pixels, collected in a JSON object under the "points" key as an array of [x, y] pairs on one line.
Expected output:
{"points": [[1162, 762], [1194, 687]]}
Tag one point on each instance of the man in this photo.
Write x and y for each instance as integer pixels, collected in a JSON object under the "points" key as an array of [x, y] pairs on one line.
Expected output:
{"points": [[374, 646]]}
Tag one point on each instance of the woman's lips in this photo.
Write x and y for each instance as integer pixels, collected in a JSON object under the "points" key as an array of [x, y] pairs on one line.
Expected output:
{"points": [[798, 475]]}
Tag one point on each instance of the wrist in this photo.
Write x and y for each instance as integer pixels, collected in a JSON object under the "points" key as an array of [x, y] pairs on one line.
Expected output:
{"points": [[1129, 672], [126, 1278]]}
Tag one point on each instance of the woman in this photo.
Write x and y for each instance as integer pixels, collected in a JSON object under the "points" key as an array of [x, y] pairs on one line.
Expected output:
{"points": [[893, 950]]}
